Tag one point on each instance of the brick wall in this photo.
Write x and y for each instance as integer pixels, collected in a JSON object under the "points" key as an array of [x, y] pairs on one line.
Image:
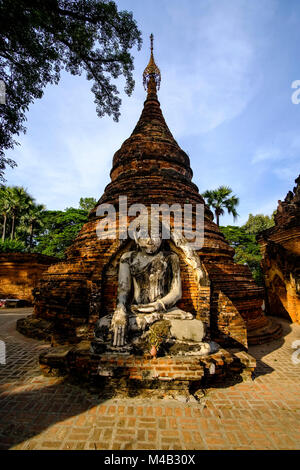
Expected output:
{"points": [[280, 248], [20, 273]]}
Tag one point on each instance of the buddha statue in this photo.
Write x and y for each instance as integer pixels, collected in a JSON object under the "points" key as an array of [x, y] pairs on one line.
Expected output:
{"points": [[149, 286]]}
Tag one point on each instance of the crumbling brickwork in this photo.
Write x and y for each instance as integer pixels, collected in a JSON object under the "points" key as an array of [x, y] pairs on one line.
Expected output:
{"points": [[280, 247]]}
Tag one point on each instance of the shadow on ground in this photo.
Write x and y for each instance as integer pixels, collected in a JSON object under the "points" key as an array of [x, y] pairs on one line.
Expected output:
{"points": [[262, 350], [26, 414]]}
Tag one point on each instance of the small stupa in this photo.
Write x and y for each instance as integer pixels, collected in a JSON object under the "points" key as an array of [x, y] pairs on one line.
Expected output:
{"points": [[280, 247], [74, 295]]}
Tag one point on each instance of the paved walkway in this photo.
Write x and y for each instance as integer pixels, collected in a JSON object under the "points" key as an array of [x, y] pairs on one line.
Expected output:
{"points": [[49, 413]]}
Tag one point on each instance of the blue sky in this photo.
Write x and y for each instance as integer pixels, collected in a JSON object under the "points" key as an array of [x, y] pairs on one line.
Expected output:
{"points": [[227, 67]]}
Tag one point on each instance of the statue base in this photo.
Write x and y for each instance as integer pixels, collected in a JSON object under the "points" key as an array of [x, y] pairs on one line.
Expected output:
{"points": [[130, 374]]}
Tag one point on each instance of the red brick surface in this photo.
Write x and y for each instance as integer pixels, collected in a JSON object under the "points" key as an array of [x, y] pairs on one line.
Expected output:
{"points": [[280, 248], [37, 412], [20, 273]]}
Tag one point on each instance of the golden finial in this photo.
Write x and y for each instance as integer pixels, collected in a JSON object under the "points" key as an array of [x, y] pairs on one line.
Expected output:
{"points": [[151, 70]]}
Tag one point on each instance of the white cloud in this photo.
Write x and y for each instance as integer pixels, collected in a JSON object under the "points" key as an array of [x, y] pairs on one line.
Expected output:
{"points": [[281, 157], [289, 173], [217, 77], [264, 154]]}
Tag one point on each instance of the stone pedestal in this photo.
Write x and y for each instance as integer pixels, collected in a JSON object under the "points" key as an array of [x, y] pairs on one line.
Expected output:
{"points": [[134, 374]]}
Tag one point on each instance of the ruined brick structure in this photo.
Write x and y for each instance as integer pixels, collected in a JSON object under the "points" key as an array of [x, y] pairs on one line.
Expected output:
{"points": [[150, 167], [20, 273], [280, 247]]}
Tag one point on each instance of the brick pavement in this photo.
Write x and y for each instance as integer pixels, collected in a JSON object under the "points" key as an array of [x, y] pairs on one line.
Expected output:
{"points": [[38, 412]]}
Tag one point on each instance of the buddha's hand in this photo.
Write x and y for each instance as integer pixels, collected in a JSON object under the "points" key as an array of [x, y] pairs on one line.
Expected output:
{"points": [[118, 325], [157, 306]]}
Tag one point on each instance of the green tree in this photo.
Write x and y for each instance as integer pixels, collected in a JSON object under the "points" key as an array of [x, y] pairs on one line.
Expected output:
{"points": [[87, 203], [219, 199], [236, 236], [246, 249], [19, 202], [19, 212], [243, 240], [59, 230], [31, 221], [4, 209], [39, 38], [259, 222]]}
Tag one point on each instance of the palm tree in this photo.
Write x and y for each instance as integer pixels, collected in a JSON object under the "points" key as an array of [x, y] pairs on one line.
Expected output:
{"points": [[218, 200], [19, 201], [31, 220], [4, 208]]}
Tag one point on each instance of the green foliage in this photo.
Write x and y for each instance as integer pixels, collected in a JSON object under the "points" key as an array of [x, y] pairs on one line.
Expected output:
{"points": [[218, 200], [12, 246], [251, 256], [259, 222], [14, 203], [34, 228], [236, 236], [246, 249], [41, 38], [87, 203], [243, 240], [31, 222], [59, 230]]}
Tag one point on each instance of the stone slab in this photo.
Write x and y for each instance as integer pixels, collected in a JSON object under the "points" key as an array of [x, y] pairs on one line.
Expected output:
{"points": [[187, 330]]}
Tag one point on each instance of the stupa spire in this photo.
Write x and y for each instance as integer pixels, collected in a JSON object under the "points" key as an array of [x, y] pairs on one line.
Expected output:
{"points": [[151, 143], [151, 75]]}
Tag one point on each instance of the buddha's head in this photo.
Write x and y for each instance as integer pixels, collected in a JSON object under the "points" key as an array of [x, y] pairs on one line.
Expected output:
{"points": [[148, 237], [149, 245]]}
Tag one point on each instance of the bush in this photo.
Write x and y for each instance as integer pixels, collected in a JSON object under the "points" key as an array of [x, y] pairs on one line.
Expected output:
{"points": [[12, 246]]}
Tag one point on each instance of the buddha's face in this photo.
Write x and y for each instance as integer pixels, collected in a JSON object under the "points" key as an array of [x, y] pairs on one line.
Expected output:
{"points": [[149, 245]]}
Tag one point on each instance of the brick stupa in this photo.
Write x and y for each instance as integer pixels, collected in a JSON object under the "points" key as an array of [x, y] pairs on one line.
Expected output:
{"points": [[280, 247], [150, 167]]}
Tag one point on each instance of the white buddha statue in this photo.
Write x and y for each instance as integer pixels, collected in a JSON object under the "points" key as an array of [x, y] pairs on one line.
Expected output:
{"points": [[149, 285]]}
